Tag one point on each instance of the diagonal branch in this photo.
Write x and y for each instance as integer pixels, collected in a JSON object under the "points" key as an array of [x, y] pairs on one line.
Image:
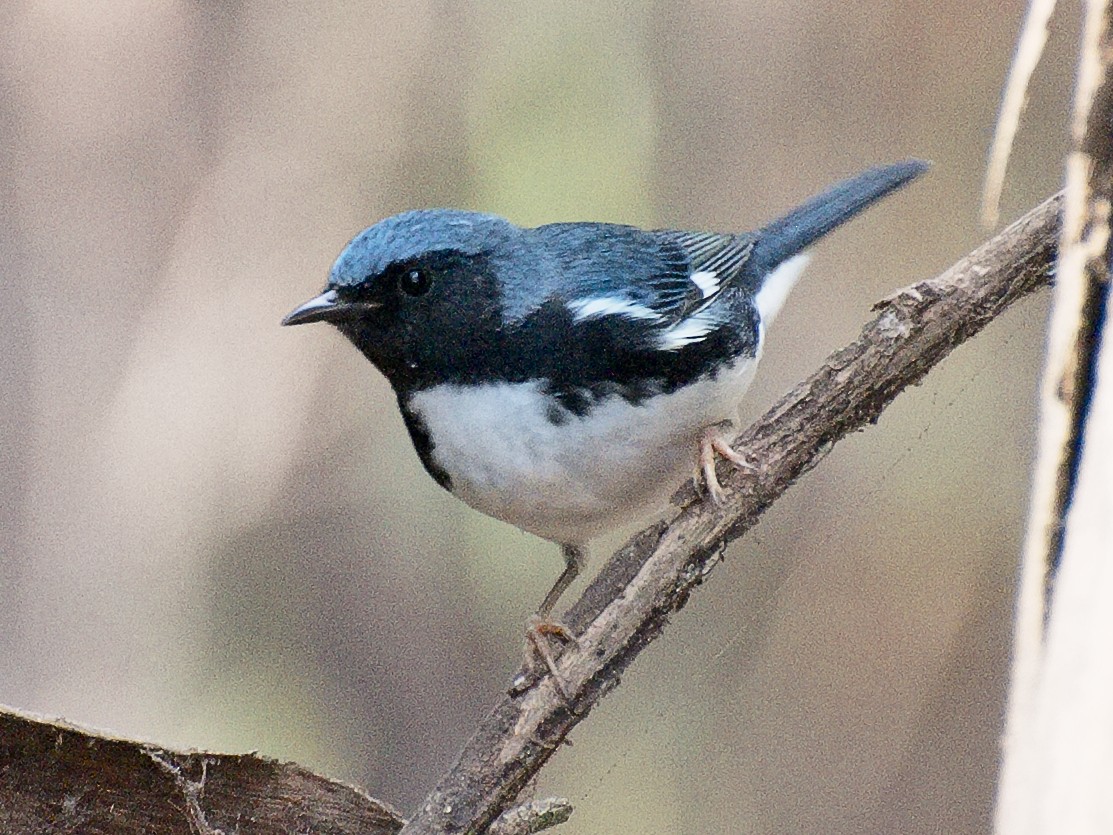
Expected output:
{"points": [[627, 605]]}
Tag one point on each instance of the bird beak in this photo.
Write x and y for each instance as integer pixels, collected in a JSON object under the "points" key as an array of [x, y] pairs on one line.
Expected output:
{"points": [[320, 308], [326, 307]]}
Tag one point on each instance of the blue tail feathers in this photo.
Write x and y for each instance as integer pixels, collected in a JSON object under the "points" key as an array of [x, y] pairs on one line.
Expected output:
{"points": [[804, 225]]}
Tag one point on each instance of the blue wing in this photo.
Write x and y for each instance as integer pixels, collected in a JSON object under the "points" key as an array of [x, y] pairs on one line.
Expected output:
{"points": [[711, 264], [673, 283], [656, 278]]}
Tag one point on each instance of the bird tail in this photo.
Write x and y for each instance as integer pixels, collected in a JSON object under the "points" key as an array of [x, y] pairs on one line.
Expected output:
{"points": [[804, 225]]}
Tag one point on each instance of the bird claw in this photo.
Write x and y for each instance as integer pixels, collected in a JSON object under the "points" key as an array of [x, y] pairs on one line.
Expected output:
{"points": [[711, 442], [538, 648]]}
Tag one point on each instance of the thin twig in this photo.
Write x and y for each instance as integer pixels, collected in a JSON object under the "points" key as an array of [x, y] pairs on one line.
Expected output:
{"points": [[651, 577], [1029, 50]]}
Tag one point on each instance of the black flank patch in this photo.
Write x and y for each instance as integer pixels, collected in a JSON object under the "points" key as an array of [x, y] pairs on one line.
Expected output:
{"points": [[585, 362]]}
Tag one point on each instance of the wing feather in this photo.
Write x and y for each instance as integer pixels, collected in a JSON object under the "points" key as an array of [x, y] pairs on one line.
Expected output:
{"points": [[669, 281]]}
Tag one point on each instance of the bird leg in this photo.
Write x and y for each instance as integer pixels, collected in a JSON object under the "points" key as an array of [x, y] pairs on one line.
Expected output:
{"points": [[573, 563], [541, 626], [713, 441]]}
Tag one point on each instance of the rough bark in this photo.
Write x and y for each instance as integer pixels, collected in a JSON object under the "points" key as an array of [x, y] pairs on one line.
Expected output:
{"points": [[57, 778]]}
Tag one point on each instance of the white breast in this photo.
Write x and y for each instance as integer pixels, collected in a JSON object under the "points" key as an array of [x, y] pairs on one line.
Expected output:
{"points": [[571, 480]]}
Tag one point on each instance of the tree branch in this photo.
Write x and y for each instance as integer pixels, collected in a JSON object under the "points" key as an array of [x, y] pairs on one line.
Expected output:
{"points": [[648, 579], [54, 777], [57, 778]]}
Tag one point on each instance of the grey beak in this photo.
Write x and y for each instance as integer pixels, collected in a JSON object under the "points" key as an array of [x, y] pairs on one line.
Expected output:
{"points": [[323, 308], [327, 307]]}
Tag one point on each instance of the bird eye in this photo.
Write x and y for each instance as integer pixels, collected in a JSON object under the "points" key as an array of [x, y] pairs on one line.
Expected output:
{"points": [[414, 282]]}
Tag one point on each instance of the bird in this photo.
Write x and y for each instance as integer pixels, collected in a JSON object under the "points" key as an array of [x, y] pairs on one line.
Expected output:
{"points": [[566, 377]]}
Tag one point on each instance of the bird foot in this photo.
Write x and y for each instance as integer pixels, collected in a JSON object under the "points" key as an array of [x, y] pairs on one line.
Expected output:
{"points": [[539, 648], [712, 441]]}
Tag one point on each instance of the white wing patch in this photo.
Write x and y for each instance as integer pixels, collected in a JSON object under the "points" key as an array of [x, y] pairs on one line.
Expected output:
{"points": [[690, 329], [597, 306], [707, 281]]}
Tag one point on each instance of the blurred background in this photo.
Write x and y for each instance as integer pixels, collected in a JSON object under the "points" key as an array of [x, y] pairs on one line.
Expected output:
{"points": [[214, 532]]}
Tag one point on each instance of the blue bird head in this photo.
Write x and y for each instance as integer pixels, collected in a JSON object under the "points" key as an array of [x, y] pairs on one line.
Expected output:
{"points": [[411, 236], [418, 292]]}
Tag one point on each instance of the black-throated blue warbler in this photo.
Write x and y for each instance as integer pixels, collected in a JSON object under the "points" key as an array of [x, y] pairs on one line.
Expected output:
{"points": [[564, 377]]}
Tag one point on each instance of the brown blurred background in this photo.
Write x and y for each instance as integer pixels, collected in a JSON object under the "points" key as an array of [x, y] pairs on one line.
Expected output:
{"points": [[214, 532]]}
